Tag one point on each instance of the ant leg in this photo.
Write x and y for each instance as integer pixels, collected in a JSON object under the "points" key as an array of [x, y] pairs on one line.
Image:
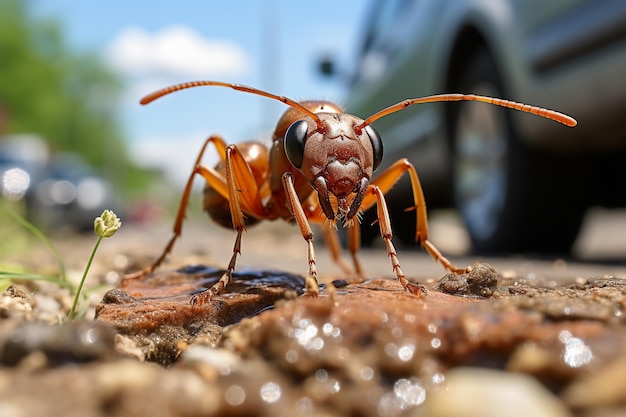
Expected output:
{"points": [[385, 181], [311, 284], [241, 190], [220, 286], [386, 233], [220, 146]]}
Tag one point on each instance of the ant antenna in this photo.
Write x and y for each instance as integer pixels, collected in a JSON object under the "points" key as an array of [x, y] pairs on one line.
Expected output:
{"points": [[539, 111], [177, 87]]}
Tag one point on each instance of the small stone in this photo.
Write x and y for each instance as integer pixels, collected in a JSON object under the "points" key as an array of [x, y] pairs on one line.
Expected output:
{"points": [[471, 392], [530, 358], [127, 347], [117, 296], [16, 307], [604, 388], [15, 291], [481, 281], [73, 342], [215, 357]]}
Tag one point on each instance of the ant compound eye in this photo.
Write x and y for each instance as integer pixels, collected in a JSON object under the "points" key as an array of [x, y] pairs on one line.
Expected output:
{"points": [[295, 137], [377, 145]]}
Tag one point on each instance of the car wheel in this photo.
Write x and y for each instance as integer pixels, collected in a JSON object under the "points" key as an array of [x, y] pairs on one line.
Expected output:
{"points": [[512, 198]]}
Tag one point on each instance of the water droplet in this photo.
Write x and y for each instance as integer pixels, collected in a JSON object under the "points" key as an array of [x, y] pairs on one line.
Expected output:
{"points": [[270, 392], [565, 336], [435, 343], [410, 318], [577, 353], [306, 335], [438, 378], [432, 328], [235, 395], [316, 344], [409, 391], [329, 330], [405, 353], [391, 349], [367, 373], [321, 375]]}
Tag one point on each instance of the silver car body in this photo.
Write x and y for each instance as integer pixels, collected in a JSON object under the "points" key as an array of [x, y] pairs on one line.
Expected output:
{"points": [[567, 55]]}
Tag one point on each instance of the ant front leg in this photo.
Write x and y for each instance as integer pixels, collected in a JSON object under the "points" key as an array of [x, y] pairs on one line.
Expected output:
{"points": [[311, 284], [386, 233], [220, 146], [385, 181]]}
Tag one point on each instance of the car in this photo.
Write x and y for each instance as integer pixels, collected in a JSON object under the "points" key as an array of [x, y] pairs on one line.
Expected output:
{"points": [[60, 190], [521, 183], [69, 195]]}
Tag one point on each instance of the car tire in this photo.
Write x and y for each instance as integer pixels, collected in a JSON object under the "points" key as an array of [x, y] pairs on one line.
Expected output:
{"points": [[512, 198]]}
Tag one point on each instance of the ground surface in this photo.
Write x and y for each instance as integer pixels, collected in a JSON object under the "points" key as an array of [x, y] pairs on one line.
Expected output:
{"points": [[514, 337]]}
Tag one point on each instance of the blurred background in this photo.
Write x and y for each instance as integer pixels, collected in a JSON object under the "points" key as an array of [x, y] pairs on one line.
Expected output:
{"points": [[74, 139], [72, 74], [521, 184]]}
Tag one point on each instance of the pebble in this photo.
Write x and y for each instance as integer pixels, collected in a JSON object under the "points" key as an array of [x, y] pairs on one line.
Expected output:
{"points": [[471, 392], [481, 281], [14, 304], [73, 342], [604, 388]]}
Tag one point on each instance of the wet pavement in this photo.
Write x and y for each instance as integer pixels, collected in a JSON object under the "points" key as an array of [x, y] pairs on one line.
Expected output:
{"points": [[516, 337]]}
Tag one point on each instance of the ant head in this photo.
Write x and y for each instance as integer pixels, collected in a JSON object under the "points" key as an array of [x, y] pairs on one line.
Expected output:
{"points": [[339, 163]]}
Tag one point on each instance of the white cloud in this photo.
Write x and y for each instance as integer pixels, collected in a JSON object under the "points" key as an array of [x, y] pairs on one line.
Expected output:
{"points": [[175, 51], [175, 155]]}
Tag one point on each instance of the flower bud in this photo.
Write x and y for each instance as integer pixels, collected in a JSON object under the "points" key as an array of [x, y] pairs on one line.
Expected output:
{"points": [[107, 224]]}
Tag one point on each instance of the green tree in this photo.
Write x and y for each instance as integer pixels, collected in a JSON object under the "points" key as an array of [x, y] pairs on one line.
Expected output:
{"points": [[68, 98], [45, 88]]}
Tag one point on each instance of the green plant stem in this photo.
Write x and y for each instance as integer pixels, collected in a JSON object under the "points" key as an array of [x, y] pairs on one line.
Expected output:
{"points": [[39, 235], [82, 281], [36, 277]]}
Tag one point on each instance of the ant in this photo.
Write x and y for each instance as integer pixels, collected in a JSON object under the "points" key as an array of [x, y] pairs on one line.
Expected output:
{"points": [[318, 170]]}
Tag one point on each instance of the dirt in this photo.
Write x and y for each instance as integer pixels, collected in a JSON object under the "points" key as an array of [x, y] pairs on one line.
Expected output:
{"points": [[480, 343]]}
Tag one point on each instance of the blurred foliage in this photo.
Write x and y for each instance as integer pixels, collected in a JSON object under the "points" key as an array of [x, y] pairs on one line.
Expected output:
{"points": [[68, 98], [20, 240]]}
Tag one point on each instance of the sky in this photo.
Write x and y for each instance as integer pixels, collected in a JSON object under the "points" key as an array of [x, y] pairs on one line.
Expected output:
{"points": [[269, 44]]}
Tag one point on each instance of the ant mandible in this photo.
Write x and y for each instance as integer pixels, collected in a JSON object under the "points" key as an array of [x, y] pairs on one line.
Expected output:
{"points": [[318, 170]]}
